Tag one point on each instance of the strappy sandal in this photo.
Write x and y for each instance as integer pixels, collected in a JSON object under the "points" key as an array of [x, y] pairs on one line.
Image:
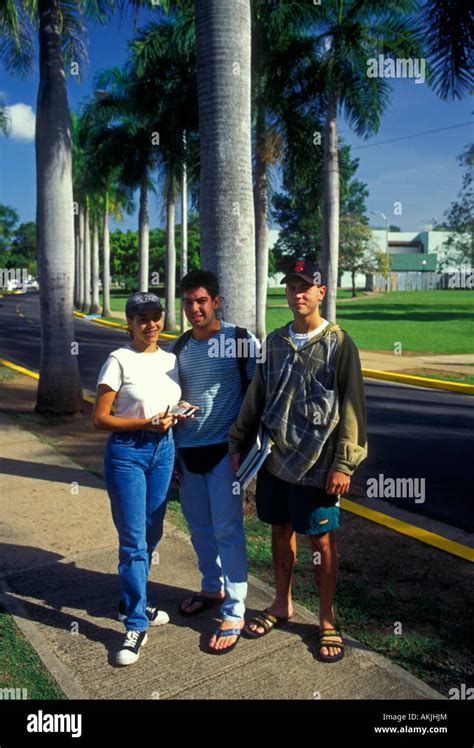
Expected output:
{"points": [[326, 637], [225, 632], [206, 603], [266, 621]]}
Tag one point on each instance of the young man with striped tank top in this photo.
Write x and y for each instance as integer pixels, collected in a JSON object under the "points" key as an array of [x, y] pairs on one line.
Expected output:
{"points": [[216, 362]]}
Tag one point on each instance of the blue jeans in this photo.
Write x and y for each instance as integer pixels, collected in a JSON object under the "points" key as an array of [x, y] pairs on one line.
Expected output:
{"points": [[138, 466], [215, 517]]}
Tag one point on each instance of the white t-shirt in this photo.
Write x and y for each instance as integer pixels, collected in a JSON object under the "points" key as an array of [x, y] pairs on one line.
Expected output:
{"points": [[300, 338], [146, 383]]}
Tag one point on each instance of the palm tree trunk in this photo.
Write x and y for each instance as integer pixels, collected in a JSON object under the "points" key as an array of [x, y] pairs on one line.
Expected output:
{"points": [[184, 232], [59, 387], [330, 237], [226, 210], [261, 222], [143, 236], [170, 257], [80, 300], [106, 311], [95, 303], [76, 258], [87, 259]]}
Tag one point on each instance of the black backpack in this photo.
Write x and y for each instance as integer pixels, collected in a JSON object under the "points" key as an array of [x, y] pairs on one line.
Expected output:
{"points": [[240, 334]]}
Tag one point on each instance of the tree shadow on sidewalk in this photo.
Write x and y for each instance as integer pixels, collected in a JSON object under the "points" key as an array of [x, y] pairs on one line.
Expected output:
{"points": [[56, 588], [49, 472]]}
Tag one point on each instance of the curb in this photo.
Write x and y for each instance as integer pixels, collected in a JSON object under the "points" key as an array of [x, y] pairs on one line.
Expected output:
{"points": [[88, 396], [437, 384], [18, 611]]}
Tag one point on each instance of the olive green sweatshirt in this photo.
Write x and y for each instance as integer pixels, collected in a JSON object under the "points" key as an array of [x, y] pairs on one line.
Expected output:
{"points": [[311, 403]]}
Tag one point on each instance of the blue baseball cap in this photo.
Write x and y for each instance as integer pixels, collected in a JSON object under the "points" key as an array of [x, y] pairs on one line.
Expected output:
{"points": [[138, 302]]}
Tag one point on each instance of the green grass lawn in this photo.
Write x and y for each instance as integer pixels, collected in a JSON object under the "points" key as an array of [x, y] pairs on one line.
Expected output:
{"points": [[21, 667], [421, 321], [6, 374], [425, 321]]}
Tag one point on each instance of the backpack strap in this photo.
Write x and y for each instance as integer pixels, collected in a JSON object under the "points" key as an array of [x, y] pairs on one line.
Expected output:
{"points": [[241, 334], [340, 333], [181, 342]]}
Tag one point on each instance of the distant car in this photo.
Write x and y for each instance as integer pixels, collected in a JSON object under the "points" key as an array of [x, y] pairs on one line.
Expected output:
{"points": [[32, 285], [13, 284]]}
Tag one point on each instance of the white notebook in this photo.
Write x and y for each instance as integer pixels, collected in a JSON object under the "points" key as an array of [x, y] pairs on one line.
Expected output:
{"points": [[254, 458]]}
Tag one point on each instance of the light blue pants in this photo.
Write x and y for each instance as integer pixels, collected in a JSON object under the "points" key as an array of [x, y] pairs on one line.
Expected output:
{"points": [[215, 517]]}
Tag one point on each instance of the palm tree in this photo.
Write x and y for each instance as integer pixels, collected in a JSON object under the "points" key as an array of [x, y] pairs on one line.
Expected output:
{"points": [[129, 146], [156, 98], [87, 264], [59, 388], [80, 259], [78, 171], [81, 188], [115, 199], [164, 66], [76, 257], [58, 25], [106, 310], [184, 230], [346, 33], [349, 33], [170, 256], [226, 210], [95, 302], [280, 41], [97, 175]]}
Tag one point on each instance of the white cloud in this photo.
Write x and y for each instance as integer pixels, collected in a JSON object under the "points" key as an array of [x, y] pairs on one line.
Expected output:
{"points": [[22, 121]]}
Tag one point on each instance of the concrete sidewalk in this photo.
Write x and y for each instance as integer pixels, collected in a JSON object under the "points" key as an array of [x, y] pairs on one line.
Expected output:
{"points": [[58, 575]]}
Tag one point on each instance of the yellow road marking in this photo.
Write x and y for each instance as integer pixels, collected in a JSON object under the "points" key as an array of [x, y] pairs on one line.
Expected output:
{"points": [[405, 528], [438, 384]]}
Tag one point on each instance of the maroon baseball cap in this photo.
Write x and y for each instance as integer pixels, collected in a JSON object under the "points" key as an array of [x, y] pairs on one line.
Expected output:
{"points": [[307, 270]]}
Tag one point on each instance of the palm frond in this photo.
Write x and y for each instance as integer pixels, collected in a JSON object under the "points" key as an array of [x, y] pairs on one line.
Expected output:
{"points": [[72, 35], [446, 28], [18, 23]]}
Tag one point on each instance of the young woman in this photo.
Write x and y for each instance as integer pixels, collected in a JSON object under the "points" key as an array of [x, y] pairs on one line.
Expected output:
{"points": [[141, 380]]}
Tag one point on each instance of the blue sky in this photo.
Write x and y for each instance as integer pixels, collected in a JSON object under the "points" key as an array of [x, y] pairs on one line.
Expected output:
{"points": [[420, 172]]}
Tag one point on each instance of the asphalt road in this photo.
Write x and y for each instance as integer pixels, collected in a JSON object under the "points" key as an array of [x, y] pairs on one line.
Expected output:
{"points": [[413, 432]]}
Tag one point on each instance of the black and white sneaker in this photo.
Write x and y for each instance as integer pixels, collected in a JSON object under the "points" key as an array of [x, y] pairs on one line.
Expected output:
{"points": [[156, 617], [130, 650]]}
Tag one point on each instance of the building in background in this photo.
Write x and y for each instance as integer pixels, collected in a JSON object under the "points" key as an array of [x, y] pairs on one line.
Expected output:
{"points": [[419, 260]]}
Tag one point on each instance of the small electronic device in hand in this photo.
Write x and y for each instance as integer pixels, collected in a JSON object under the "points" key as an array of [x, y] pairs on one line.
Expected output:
{"points": [[183, 410]]}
